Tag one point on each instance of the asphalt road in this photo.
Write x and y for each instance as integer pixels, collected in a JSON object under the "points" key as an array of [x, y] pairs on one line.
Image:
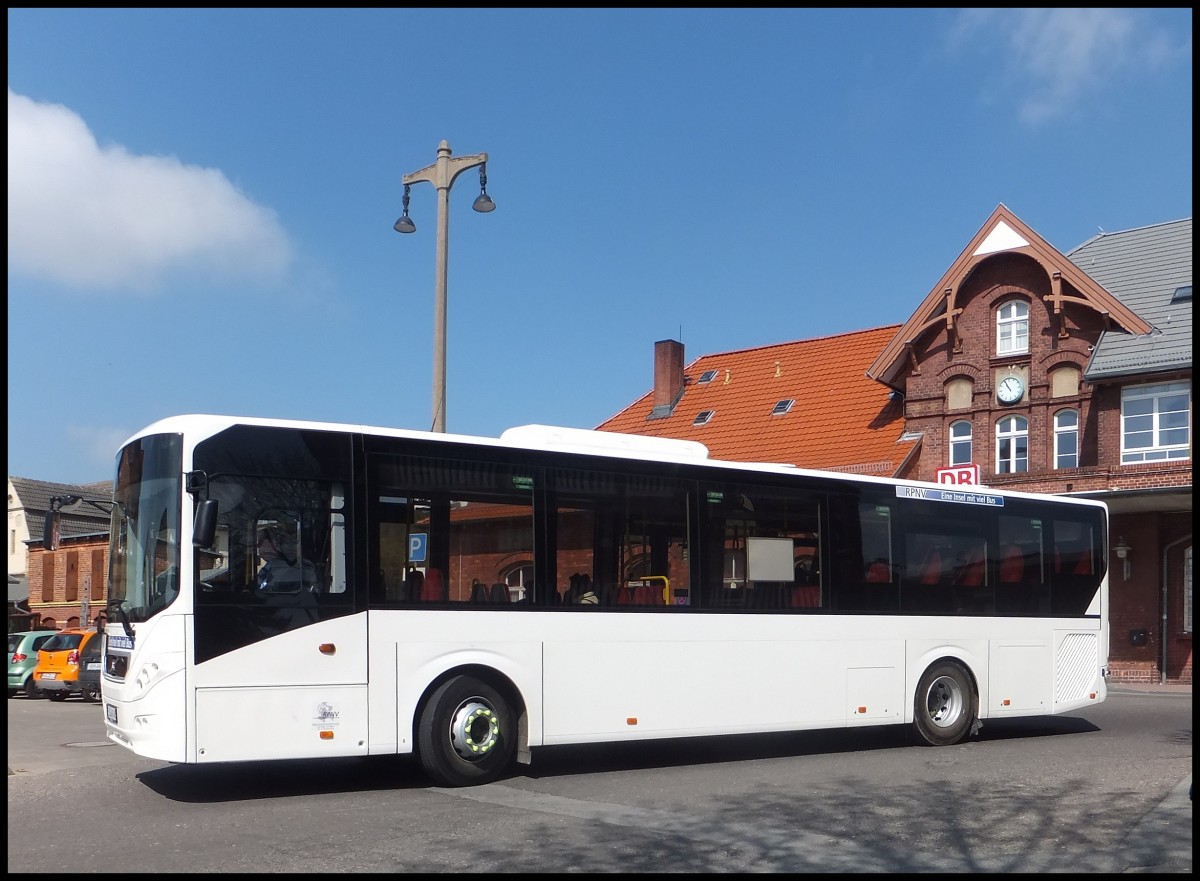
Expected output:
{"points": [[1105, 790]]}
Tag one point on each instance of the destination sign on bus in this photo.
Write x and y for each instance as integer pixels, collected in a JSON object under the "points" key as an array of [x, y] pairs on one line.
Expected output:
{"points": [[961, 497]]}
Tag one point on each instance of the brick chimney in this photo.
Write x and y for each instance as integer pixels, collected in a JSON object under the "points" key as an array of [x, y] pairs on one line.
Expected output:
{"points": [[668, 377]]}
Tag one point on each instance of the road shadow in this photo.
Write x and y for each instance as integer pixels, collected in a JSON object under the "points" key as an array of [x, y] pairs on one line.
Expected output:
{"points": [[247, 781]]}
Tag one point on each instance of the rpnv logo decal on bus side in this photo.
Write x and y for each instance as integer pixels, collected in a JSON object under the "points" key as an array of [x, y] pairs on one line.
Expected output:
{"points": [[949, 495]]}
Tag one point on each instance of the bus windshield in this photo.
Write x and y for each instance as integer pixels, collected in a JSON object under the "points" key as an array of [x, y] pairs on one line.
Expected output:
{"points": [[144, 551]]}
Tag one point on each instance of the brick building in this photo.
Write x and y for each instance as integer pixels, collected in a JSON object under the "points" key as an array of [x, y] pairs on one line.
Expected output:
{"points": [[1050, 372], [67, 585]]}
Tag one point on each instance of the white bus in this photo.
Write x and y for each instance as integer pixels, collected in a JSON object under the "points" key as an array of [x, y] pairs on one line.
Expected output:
{"points": [[472, 599]]}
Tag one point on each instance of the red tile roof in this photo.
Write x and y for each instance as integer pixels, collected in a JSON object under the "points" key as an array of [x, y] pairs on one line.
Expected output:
{"points": [[840, 419]]}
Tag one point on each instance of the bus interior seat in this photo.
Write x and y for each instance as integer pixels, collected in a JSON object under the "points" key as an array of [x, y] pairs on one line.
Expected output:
{"points": [[1083, 566], [1012, 565], [479, 592], [431, 590], [500, 593], [879, 573], [643, 595], [806, 597], [971, 574], [931, 569]]}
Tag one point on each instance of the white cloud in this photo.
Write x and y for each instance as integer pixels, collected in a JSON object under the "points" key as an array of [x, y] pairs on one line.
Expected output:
{"points": [[95, 217], [1055, 58]]}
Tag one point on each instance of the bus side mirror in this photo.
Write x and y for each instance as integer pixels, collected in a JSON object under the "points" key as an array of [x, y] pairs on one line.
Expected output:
{"points": [[53, 527], [52, 530], [204, 527]]}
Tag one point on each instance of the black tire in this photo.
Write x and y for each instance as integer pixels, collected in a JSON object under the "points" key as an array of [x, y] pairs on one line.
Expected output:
{"points": [[90, 695], [11, 692], [57, 696], [31, 690], [945, 705], [466, 734]]}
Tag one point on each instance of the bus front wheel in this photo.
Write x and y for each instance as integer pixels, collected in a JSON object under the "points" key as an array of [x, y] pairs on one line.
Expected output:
{"points": [[466, 733], [945, 705]]}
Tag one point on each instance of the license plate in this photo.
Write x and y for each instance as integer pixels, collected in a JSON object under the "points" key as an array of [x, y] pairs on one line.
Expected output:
{"points": [[49, 675], [111, 713], [94, 665]]}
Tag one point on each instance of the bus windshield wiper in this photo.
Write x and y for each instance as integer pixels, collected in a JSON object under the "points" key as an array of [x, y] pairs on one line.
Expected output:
{"points": [[122, 615]]}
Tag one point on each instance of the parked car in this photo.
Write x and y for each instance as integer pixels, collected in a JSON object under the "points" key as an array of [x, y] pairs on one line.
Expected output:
{"points": [[22, 658], [57, 670], [89, 669]]}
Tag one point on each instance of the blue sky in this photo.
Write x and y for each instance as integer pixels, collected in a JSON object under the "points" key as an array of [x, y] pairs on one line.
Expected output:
{"points": [[200, 202]]}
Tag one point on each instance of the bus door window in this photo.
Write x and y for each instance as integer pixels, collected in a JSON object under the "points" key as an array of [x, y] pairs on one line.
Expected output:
{"points": [[303, 520], [247, 590], [653, 566], [575, 556], [620, 537], [583, 528]]}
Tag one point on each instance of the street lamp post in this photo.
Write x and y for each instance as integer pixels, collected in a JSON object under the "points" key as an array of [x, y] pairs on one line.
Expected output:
{"points": [[442, 174]]}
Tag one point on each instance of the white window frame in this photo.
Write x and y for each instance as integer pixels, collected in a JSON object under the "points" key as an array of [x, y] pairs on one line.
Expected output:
{"points": [[1012, 328], [1159, 418], [959, 440], [1066, 458], [1011, 431]]}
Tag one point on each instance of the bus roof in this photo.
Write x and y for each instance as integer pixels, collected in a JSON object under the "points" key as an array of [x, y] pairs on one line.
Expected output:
{"points": [[549, 438]]}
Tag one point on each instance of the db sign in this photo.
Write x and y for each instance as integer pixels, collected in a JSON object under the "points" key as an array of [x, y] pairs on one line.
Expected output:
{"points": [[959, 475]]}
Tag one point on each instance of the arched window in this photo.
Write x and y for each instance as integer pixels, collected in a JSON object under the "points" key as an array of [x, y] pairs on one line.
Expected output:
{"points": [[960, 442], [1012, 445], [519, 579], [1012, 328], [1066, 439]]}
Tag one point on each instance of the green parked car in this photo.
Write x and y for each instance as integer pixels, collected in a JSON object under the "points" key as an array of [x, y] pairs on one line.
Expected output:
{"points": [[22, 658]]}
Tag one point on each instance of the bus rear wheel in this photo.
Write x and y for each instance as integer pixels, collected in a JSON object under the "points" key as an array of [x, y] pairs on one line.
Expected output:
{"points": [[466, 733], [945, 705]]}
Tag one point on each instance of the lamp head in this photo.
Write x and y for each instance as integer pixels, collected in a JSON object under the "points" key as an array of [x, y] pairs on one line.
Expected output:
{"points": [[405, 224], [483, 202]]}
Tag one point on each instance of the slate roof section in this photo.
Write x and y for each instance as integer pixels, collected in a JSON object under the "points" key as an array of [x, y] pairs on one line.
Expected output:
{"points": [[841, 419], [1143, 268], [35, 498]]}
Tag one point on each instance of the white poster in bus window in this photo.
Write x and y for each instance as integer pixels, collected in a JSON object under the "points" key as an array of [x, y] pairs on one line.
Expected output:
{"points": [[769, 559]]}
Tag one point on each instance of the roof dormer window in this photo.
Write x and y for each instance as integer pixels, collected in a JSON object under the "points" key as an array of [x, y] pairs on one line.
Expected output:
{"points": [[703, 417], [706, 377], [783, 406]]}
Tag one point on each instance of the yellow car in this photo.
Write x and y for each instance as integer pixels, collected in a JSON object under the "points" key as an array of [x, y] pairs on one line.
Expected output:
{"points": [[57, 672]]}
